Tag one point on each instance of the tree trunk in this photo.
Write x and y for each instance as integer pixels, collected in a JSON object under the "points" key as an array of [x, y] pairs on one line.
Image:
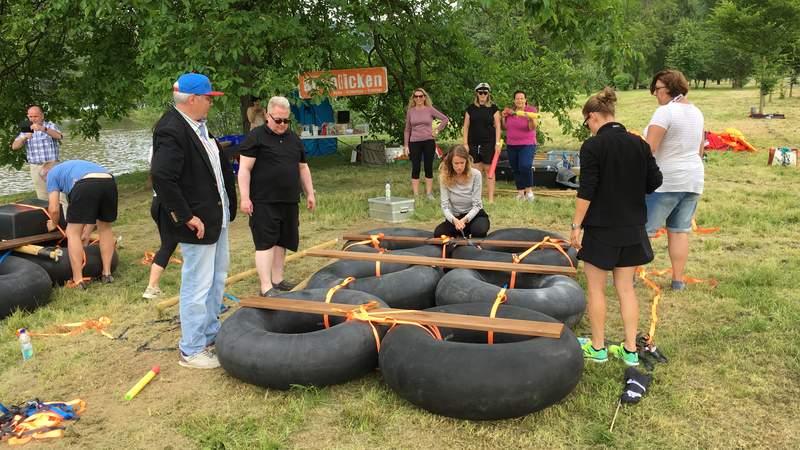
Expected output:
{"points": [[761, 98], [244, 103], [704, 83]]}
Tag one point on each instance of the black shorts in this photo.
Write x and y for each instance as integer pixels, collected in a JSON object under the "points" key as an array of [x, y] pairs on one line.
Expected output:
{"points": [[606, 256], [93, 199], [275, 224], [482, 153]]}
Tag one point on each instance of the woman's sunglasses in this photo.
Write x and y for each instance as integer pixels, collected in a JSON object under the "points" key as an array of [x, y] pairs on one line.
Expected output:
{"points": [[280, 121], [483, 92], [419, 96]]}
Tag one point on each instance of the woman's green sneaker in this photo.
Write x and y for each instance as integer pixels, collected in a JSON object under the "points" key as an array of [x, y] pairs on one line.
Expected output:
{"points": [[598, 356], [631, 359]]}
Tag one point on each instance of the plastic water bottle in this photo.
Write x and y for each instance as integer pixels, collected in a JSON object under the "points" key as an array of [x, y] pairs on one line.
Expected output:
{"points": [[25, 344], [388, 190]]}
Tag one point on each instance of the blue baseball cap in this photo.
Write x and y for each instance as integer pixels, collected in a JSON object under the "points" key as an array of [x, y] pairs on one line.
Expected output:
{"points": [[195, 83]]}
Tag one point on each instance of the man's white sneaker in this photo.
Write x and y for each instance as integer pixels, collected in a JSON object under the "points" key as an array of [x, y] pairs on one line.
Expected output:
{"points": [[152, 292], [203, 360]]}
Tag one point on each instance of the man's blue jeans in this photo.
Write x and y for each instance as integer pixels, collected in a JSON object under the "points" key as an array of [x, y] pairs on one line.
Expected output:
{"points": [[205, 268]]}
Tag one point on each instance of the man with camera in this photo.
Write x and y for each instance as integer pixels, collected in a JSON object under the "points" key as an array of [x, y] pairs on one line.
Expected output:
{"points": [[41, 139]]}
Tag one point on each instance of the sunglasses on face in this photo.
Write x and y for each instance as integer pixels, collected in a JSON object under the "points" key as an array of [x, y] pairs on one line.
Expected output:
{"points": [[483, 92], [280, 121], [419, 96]]}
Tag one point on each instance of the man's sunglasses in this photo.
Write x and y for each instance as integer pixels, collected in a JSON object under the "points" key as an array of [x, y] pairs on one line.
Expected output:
{"points": [[280, 121]]}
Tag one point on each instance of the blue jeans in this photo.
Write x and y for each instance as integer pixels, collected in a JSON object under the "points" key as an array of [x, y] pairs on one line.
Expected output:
{"points": [[520, 157], [205, 268], [674, 208]]}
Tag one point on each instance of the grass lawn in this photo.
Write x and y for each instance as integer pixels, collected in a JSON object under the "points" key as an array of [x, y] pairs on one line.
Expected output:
{"points": [[732, 379]]}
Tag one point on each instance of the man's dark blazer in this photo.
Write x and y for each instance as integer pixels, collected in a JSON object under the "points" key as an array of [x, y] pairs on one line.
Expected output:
{"points": [[184, 181]]}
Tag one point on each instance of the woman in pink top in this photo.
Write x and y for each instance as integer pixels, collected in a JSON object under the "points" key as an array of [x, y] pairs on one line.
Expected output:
{"points": [[521, 144], [418, 138]]}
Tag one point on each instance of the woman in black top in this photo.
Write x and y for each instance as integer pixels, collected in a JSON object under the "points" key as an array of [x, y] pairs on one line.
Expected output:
{"points": [[482, 133], [617, 170]]}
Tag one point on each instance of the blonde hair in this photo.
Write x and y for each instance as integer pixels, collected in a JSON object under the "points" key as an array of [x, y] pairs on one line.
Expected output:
{"points": [[603, 102], [427, 99], [447, 175], [488, 99]]}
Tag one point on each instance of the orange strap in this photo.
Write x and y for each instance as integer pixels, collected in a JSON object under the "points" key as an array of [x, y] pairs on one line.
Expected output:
{"points": [[55, 222], [644, 276], [374, 240], [363, 314], [700, 230], [329, 296], [642, 273], [546, 242], [501, 298], [695, 228], [445, 240], [149, 257], [71, 329], [42, 425]]}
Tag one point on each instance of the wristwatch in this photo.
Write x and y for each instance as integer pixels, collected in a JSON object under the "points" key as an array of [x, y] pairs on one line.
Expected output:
{"points": [[575, 226]]}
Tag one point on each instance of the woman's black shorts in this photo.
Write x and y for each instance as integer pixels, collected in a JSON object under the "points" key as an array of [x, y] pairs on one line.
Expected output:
{"points": [[275, 224], [598, 252]]}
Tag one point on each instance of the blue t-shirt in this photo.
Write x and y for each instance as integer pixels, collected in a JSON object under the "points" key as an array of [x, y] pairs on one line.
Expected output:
{"points": [[63, 176]]}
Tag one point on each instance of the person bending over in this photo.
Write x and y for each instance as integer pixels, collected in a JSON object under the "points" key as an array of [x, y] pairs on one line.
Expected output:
{"points": [[460, 187], [92, 194]]}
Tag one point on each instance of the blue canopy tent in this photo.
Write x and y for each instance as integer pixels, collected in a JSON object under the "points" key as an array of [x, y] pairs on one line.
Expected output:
{"points": [[307, 113]]}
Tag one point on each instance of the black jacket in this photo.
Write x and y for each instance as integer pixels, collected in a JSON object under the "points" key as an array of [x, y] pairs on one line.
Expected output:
{"points": [[617, 170], [184, 181]]}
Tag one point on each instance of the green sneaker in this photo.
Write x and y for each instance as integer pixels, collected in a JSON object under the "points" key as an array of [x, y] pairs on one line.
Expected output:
{"points": [[598, 356], [631, 359]]}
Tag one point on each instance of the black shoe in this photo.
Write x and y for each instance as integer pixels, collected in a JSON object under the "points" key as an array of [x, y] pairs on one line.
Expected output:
{"points": [[107, 279], [285, 286], [272, 292]]}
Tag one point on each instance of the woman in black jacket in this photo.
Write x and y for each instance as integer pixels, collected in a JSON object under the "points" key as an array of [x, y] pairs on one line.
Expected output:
{"points": [[617, 170]]}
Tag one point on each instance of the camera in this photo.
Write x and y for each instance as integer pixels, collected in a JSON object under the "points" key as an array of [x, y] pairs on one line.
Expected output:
{"points": [[25, 126]]}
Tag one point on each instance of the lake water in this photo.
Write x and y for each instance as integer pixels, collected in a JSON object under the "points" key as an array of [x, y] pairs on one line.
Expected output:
{"points": [[122, 148]]}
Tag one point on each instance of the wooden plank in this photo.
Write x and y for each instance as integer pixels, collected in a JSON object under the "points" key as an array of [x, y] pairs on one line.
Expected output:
{"points": [[438, 241], [35, 239], [449, 262], [498, 325], [161, 306]]}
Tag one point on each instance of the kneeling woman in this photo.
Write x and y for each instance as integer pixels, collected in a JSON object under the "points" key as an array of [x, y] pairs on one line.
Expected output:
{"points": [[617, 170], [460, 186]]}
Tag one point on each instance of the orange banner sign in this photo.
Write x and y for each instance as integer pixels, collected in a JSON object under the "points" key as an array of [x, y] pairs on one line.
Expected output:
{"points": [[362, 81]]}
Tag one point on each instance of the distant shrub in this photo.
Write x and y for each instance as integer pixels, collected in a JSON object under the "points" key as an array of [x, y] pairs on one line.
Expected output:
{"points": [[623, 81]]}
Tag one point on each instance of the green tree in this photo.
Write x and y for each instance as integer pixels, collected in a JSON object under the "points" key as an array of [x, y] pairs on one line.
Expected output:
{"points": [[692, 50], [72, 58], [765, 29]]}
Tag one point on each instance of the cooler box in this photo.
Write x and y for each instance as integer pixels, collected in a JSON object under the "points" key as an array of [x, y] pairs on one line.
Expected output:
{"points": [[394, 209], [503, 171], [20, 221], [544, 174]]}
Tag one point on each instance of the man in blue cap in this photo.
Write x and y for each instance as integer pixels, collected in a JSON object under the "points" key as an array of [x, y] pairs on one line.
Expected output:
{"points": [[196, 192]]}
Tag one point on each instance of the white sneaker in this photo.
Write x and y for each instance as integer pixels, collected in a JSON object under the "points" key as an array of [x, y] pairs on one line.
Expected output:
{"points": [[529, 196], [203, 360], [151, 293]]}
